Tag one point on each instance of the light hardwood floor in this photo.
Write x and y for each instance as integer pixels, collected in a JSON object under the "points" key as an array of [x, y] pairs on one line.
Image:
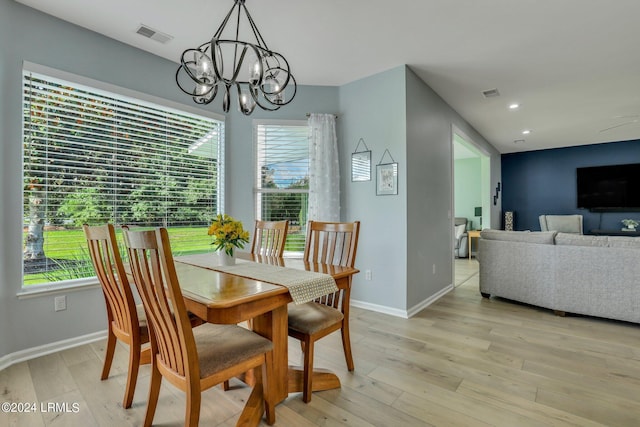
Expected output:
{"points": [[464, 361]]}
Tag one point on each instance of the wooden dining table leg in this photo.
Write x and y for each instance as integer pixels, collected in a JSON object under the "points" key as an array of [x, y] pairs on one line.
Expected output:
{"points": [[273, 325]]}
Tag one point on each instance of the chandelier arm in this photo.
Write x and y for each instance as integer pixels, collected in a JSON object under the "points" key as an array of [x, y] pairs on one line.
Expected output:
{"points": [[235, 53], [279, 103], [218, 68], [236, 70], [245, 108], [179, 85], [198, 98], [254, 28], [218, 32], [272, 107], [185, 66], [295, 90], [196, 81], [279, 68], [205, 98]]}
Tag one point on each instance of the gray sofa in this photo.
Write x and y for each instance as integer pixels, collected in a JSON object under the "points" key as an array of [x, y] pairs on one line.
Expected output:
{"points": [[568, 273]]}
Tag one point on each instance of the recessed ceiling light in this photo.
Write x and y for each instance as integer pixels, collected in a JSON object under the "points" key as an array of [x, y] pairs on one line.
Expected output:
{"points": [[526, 132], [519, 141], [514, 106]]}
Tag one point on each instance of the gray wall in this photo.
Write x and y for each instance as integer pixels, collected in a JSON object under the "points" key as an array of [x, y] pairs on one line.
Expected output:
{"points": [[403, 237], [430, 187], [430, 153], [373, 108], [26, 34]]}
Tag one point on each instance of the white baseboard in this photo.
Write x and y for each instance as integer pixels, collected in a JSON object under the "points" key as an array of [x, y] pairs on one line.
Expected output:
{"points": [[433, 298], [402, 313], [379, 308], [43, 350]]}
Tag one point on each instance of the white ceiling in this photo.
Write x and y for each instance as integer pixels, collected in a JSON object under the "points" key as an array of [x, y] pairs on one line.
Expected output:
{"points": [[573, 65]]}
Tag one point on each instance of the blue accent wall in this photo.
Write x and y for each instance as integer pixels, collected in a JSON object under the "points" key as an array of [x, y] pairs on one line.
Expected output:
{"points": [[544, 182]]}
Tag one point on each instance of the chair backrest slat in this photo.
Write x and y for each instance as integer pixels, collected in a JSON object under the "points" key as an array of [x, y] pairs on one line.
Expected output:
{"points": [[107, 263], [155, 277], [332, 242], [269, 238]]}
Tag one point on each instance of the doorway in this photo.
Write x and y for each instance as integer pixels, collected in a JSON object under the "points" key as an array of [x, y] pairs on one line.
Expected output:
{"points": [[471, 198]]}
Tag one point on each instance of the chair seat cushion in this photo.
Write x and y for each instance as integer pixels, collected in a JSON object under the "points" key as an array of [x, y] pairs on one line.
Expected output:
{"points": [[312, 317], [222, 346], [142, 319]]}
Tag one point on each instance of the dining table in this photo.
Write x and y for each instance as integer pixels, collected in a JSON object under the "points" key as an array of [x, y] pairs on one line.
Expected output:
{"points": [[218, 295]]}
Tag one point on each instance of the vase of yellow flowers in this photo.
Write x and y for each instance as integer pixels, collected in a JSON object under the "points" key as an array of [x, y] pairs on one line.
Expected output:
{"points": [[228, 234]]}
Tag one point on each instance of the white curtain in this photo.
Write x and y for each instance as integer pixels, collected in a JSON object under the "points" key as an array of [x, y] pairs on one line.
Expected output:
{"points": [[324, 174]]}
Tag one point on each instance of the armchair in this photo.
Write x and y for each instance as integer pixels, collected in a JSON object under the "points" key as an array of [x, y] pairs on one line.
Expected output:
{"points": [[561, 223], [460, 245]]}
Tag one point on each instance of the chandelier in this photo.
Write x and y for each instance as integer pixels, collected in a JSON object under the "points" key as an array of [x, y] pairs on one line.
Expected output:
{"points": [[260, 76]]}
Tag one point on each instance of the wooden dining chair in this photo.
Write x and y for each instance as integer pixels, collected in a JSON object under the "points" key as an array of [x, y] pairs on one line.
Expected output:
{"points": [[126, 320], [329, 243], [192, 360], [269, 237]]}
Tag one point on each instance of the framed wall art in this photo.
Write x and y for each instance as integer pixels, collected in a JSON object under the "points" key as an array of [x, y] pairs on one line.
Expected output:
{"points": [[361, 163], [387, 176]]}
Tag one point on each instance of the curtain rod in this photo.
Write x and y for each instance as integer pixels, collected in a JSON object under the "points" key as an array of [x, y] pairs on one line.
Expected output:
{"points": [[335, 115]]}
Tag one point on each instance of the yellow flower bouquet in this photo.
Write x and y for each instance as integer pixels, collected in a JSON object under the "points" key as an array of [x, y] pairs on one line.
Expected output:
{"points": [[227, 234]]}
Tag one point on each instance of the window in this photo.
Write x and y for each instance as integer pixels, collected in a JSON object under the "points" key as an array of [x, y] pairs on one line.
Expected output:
{"points": [[282, 184], [92, 156]]}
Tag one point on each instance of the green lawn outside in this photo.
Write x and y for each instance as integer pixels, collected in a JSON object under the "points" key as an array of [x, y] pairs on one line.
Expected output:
{"points": [[71, 245]]}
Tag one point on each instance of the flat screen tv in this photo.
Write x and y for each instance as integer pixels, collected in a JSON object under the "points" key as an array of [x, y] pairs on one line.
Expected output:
{"points": [[615, 187]]}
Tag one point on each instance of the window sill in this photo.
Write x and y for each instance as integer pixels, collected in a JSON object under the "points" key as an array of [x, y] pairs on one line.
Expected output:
{"points": [[34, 291]]}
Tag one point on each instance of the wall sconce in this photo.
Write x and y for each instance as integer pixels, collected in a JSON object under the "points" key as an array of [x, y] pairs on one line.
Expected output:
{"points": [[495, 197]]}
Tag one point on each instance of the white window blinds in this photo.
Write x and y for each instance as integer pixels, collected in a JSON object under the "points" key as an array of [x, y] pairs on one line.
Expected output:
{"points": [[282, 185], [94, 157]]}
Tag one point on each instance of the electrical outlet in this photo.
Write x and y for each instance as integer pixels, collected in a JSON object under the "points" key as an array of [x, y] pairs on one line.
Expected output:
{"points": [[60, 303], [434, 269], [367, 275]]}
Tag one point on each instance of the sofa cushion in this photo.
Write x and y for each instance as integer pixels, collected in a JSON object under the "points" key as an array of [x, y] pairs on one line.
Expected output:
{"points": [[540, 237], [571, 239], [561, 223], [624, 242]]}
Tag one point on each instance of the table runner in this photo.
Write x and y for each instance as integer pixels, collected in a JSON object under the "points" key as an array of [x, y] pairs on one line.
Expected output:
{"points": [[304, 286]]}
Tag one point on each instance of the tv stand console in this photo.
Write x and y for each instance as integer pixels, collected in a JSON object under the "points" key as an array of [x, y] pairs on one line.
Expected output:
{"points": [[615, 233]]}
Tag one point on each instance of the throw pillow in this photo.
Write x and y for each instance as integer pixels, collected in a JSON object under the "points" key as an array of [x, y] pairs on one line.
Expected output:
{"points": [[459, 231], [540, 237], [571, 239], [624, 242]]}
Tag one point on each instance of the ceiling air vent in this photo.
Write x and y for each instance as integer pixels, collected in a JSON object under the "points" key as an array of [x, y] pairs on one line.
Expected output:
{"points": [[490, 93], [152, 34]]}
